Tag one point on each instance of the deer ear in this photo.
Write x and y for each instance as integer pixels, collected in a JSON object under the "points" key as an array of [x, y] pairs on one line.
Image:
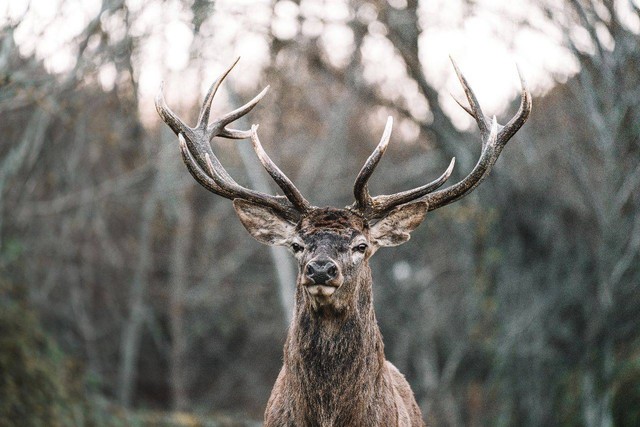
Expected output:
{"points": [[394, 229], [263, 223]]}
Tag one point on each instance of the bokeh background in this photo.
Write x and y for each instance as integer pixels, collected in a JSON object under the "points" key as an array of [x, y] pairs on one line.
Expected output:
{"points": [[129, 295]]}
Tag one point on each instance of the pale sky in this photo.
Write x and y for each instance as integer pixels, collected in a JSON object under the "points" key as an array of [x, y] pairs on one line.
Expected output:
{"points": [[487, 45]]}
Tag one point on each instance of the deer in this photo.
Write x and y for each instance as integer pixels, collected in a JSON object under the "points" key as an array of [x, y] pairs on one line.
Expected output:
{"points": [[334, 369]]}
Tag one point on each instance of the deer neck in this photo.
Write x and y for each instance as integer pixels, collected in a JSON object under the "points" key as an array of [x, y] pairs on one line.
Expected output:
{"points": [[334, 359]]}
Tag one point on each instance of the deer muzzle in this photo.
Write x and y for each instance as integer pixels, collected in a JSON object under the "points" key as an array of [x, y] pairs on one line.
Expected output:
{"points": [[322, 277]]}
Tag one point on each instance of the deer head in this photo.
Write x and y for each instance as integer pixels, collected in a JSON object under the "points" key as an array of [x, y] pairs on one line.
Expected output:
{"points": [[332, 245]]}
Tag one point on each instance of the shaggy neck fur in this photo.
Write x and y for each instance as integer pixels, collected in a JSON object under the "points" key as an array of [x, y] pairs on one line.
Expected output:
{"points": [[334, 360]]}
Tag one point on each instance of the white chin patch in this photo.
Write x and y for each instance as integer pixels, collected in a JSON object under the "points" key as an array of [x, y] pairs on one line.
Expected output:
{"points": [[321, 290]]}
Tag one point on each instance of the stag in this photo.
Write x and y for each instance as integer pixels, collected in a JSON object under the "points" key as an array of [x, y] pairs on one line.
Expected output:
{"points": [[334, 371]]}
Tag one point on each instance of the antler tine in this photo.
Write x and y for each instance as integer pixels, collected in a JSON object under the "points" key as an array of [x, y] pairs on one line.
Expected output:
{"points": [[215, 183], [494, 138], [360, 190], [236, 114], [522, 115], [375, 207], [167, 115], [492, 144], [218, 128], [475, 110], [290, 190], [490, 151], [196, 171], [464, 107], [203, 119], [198, 137], [384, 203], [205, 167], [381, 205]]}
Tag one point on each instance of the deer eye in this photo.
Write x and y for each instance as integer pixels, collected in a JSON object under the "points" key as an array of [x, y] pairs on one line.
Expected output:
{"points": [[362, 247], [296, 247]]}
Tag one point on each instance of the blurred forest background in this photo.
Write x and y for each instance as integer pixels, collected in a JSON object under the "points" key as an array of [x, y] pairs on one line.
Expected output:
{"points": [[129, 295]]}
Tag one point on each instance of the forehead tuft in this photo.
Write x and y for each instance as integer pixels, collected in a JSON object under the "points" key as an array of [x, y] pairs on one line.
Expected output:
{"points": [[334, 220]]}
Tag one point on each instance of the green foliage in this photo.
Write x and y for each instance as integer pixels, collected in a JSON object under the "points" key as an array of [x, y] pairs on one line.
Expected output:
{"points": [[30, 391], [38, 385], [626, 410], [567, 401], [10, 250], [180, 419]]}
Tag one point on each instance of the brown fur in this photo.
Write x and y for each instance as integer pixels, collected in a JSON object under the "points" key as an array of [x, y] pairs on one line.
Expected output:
{"points": [[335, 372]]}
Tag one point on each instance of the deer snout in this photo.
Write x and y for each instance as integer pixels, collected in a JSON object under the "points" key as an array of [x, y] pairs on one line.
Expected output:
{"points": [[321, 271]]}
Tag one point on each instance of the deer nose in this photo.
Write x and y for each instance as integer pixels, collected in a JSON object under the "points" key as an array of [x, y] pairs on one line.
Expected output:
{"points": [[321, 270]]}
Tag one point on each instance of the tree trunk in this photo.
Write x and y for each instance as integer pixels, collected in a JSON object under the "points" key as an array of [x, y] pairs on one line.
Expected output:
{"points": [[130, 341], [179, 273]]}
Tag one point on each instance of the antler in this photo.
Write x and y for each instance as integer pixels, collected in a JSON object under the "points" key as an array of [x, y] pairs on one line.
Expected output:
{"points": [[494, 138], [205, 167]]}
